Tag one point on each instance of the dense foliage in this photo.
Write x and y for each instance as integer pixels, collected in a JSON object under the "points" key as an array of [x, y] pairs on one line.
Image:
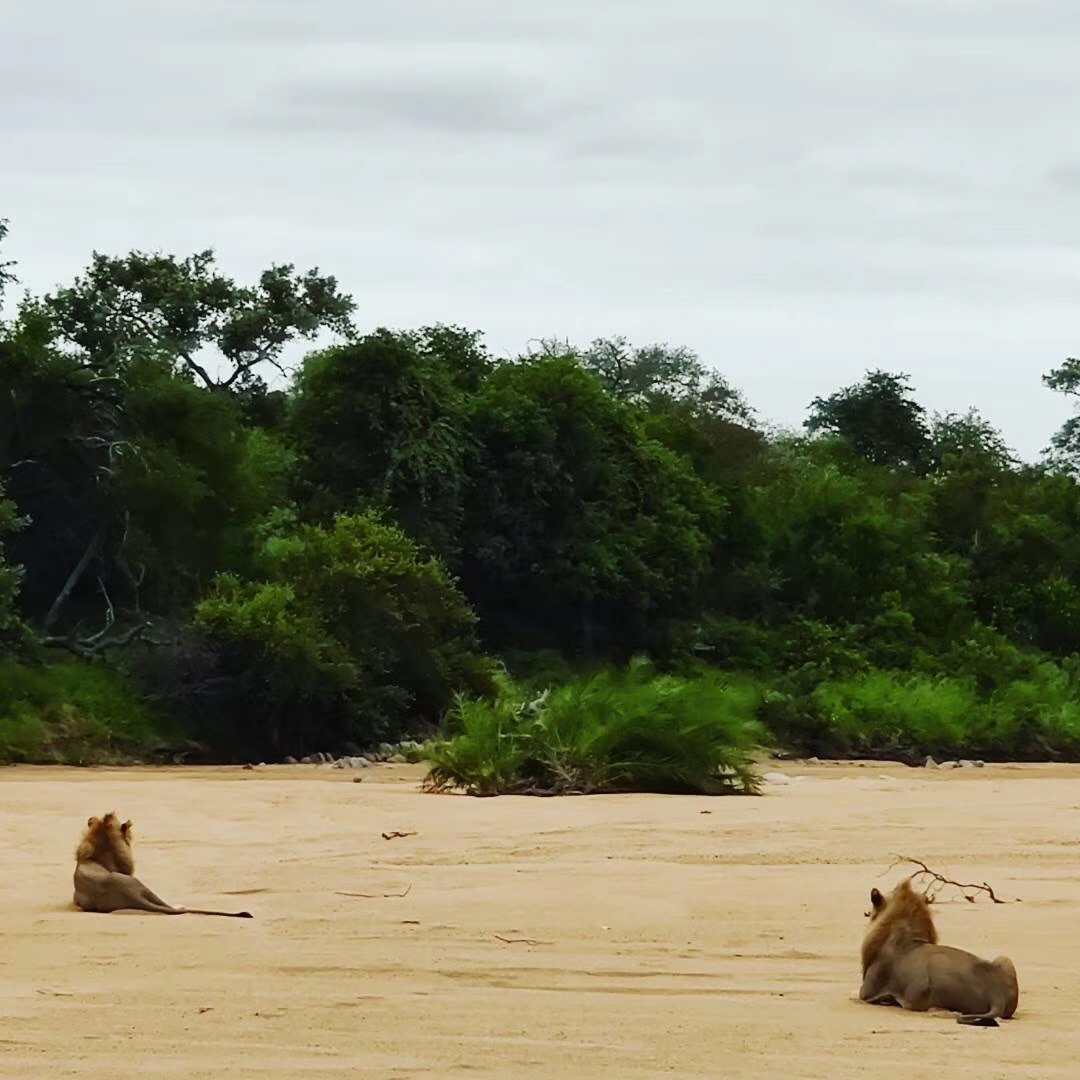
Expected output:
{"points": [[613, 731], [201, 548]]}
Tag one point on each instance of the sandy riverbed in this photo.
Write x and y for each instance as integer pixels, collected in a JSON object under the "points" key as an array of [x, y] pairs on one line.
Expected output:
{"points": [[666, 937]]}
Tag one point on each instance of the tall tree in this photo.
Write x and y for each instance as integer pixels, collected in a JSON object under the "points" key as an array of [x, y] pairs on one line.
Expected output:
{"points": [[380, 422], [135, 481], [1063, 453], [187, 310], [658, 376], [581, 532], [879, 418], [961, 439]]}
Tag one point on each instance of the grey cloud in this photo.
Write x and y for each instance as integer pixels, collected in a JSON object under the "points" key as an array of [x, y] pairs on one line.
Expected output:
{"points": [[460, 104]]}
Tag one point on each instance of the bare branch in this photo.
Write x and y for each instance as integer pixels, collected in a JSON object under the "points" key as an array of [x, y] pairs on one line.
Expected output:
{"points": [[110, 617], [938, 881], [377, 896], [73, 580]]}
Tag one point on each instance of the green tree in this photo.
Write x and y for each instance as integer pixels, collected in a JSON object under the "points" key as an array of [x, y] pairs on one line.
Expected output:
{"points": [[381, 422], [971, 462], [138, 484], [581, 532], [843, 546], [879, 418], [655, 376], [960, 440], [187, 310], [61, 439], [1025, 559], [349, 633], [195, 485], [1063, 453]]}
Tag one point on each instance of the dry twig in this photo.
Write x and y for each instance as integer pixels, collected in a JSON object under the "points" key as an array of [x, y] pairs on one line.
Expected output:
{"points": [[395, 835], [521, 940], [939, 881], [376, 896]]}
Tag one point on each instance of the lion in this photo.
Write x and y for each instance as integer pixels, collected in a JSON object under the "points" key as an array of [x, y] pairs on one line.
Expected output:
{"points": [[904, 965], [104, 873]]}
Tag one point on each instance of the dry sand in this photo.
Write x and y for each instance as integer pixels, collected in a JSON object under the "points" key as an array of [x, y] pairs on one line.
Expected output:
{"points": [[666, 936]]}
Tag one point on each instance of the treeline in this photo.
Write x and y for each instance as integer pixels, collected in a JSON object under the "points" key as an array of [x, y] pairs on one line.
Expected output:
{"points": [[195, 558]]}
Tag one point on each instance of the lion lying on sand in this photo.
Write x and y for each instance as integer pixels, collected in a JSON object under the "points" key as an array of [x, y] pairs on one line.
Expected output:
{"points": [[104, 881], [904, 965]]}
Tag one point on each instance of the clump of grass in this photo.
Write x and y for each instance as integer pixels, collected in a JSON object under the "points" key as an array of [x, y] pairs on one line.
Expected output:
{"points": [[886, 711], [900, 715], [613, 731], [70, 712]]}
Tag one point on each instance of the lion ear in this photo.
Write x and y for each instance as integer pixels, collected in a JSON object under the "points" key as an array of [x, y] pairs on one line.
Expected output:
{"points": [[876, 898]]}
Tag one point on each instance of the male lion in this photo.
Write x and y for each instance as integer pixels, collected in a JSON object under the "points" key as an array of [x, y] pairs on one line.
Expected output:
{"points": [[904, 965], [104, 865]]}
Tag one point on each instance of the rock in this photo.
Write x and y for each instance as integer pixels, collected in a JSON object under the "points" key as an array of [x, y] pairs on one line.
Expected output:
{"points": [[775, 778], [979, 764], [371, 758], [930, 763], [385, 749], [964, 763], [397, 759], [357, 779], [359, 762], [813, 761], [348, 749], [290, 760], [947, 765], [341, 763], [249, 766], [307, 759]]}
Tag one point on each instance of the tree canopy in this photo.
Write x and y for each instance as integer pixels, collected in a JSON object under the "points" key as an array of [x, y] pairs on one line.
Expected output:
{"points": [[272, 560]]}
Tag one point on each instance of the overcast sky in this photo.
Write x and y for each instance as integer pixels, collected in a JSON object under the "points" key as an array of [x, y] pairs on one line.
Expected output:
{"points": [[797, 189]]}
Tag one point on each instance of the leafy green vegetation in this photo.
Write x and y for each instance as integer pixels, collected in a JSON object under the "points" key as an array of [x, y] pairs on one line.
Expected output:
{"points": [[626, 730], [72, 712], [345, 632], [196, 547]]}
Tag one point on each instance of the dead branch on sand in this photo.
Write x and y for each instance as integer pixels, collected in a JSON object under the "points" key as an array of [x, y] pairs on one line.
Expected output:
{"points": [[521, 940], [938, 881], [376, 896], [395, 835]]}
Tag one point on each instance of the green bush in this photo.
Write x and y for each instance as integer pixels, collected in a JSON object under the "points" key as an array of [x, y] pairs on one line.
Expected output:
{"points": [[884, 712], [71, 713], [352, 634], [613, 731], [903, 716]]}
